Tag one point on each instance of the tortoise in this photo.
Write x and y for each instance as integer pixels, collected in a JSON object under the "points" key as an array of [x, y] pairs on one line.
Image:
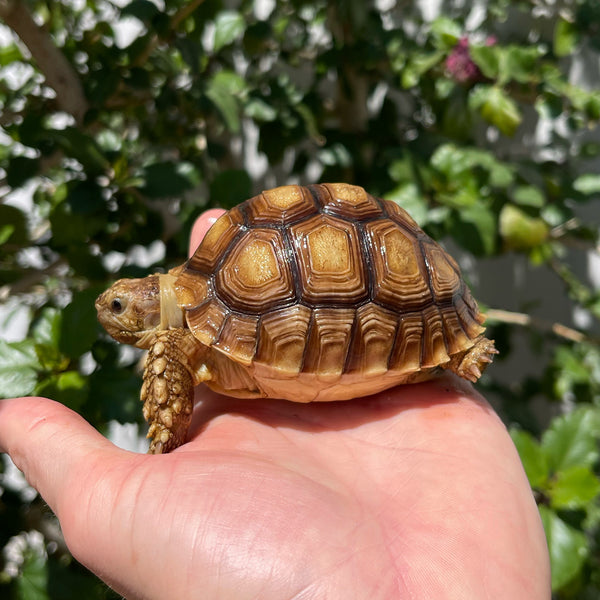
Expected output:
{"points": [[313, 293]]}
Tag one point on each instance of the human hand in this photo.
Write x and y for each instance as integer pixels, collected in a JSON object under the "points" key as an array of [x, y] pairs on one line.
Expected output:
{"points": [[415, 492]]}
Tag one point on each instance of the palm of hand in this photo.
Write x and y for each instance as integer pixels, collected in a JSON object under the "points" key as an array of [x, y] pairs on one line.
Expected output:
{"points": [[416, 492]]}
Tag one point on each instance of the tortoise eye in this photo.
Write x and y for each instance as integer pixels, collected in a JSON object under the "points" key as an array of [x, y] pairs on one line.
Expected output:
{"points": [[116, 306]]}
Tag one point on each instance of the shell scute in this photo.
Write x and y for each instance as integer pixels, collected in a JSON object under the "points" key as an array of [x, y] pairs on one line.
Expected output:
{"points": [[407, 349], [237, 337], [445, 280], [401, 281], [399, 215], [348, 201], [328, 341], [434, 350], [283, 334], [217, 241], [330, 265], [256, 275], [281, 205], [206, 320], [372, 340]]}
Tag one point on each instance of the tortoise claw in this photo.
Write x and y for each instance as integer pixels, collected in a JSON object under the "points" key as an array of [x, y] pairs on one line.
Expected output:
{"points": [[475, 360]]}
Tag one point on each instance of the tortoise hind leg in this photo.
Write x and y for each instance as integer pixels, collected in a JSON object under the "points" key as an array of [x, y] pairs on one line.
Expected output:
{"points": [[168, 389], [472, 363]]}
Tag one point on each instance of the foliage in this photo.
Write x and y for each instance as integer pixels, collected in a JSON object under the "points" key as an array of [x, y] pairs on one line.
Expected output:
{"points": [[120, 125]]}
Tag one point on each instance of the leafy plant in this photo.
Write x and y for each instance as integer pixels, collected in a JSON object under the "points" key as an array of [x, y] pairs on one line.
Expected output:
{"points": [[119, 125]]}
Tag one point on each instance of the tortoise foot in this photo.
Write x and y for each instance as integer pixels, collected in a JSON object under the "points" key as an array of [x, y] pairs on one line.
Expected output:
{"points": [[167, 393], [475, 361]]}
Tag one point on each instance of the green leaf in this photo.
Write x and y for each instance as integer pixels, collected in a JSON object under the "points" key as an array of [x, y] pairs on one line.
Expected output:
{"points": [[576, 368], [122, 390], [70, 388], [259, 110], [335, 155], [592, 106], [587, 184], [419, 64], [457, 164], [85, 197], [519, 230], [572, 440], [528, 195], [46, 329], [46, 333], [225, 90], [496, 107], [501, 175], [144, 10], [18, 368], [70, 227], [79, 325], [401, 170], [568, 548], [519, 64], [9, 54], [486, 58], [169, 179], [20, 170], [229, 26], [532, 456], [33, 582], [574, 488], [450, 160], [482, 220], [409, 197], [82, 147], [13, 218], [566, 36], [465, 194], [507, 63], [230, 187], [6, 232], [445, 33]]}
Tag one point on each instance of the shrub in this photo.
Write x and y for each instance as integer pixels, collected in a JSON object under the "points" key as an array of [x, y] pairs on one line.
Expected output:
{"points": [[120, 125]]}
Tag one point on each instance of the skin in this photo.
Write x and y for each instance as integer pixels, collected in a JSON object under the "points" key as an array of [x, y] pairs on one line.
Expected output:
{"points": [[416, 492]]}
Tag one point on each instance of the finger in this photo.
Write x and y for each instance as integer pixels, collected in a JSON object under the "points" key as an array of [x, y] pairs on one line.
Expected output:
{"points": [[203, 223], [48, 442]]}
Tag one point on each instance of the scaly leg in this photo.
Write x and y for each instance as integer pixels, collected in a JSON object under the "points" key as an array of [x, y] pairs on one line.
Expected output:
{"points": [[474, 361], [168, 388]]}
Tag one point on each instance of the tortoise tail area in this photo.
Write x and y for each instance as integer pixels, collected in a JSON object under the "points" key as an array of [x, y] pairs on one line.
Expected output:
{"points": [[474, 361]]}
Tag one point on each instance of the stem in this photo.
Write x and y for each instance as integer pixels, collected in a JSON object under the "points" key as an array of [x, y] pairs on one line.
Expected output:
{"points": [[525, 320]]}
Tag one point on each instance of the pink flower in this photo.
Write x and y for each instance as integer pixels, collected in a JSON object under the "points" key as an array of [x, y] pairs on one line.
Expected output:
{"points": [[460, 65]]}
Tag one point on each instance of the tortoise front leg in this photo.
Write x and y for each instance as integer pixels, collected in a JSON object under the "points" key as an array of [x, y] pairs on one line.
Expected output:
{"points": [[168, 389]]}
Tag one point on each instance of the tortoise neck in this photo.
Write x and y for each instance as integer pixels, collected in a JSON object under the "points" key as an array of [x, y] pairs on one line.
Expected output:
{"points": [[171, 314]]}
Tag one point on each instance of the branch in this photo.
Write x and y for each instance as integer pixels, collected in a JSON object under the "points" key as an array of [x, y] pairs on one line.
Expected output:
{"points": [[53, 65], [32, 279], [525, 320]]}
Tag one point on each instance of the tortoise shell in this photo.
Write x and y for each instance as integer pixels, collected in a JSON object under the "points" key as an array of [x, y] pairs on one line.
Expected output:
{"points": [[324, 292]]}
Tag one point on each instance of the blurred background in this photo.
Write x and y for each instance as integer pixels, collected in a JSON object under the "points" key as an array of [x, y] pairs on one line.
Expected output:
{"points": [[120, 122]]}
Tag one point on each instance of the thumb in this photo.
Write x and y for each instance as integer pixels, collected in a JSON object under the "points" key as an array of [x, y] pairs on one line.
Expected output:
{"points": [[48, 442], [203, 223]]}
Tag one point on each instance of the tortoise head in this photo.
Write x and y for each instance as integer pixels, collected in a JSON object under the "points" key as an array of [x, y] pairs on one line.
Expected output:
{"points": [[130, 309]]}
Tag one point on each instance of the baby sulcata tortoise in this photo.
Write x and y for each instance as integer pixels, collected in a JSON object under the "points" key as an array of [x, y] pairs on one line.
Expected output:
{"points": [[303, 293]]}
